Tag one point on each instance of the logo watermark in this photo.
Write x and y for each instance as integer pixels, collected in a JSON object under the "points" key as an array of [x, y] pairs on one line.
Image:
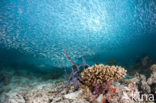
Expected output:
{"points": [[144, 97]]}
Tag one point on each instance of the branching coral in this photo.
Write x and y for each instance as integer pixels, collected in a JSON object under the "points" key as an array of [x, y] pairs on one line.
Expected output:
{"points": [[98, 79], [95, 80], [100, 83], [100, 74]]}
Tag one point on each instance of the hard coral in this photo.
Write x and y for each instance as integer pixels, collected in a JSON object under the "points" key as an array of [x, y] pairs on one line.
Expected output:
{"points": [[152, 80], [100, 74], [153, 68]]}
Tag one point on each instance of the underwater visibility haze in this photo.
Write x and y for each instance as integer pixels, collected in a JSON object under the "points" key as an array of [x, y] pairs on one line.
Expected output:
{"points": [[37, 31], [87, 41]]}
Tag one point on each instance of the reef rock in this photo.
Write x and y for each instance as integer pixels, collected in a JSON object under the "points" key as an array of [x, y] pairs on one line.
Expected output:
{"points": [[73, 95], [152, 78]]}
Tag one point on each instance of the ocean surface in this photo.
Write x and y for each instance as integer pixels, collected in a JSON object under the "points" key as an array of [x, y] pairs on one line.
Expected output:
{"points": [[35, 33]]}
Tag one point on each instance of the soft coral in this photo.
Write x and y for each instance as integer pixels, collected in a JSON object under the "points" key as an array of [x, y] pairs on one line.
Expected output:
{"points": [[75, 76]]}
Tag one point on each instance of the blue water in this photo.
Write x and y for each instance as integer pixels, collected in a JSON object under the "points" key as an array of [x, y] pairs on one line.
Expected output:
{"points": [[36, 32]]}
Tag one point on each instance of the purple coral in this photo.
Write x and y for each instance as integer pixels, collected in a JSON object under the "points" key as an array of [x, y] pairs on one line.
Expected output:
{"points": [[75, 76]]}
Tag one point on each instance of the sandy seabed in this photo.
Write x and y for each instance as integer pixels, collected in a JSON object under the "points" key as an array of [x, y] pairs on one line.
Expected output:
{"points": [[26, 88]]}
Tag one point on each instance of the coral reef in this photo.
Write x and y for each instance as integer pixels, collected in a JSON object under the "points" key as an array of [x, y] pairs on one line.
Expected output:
{"points": [[153, 75], [100, 74], [152, 80], [99, 79], [145, 85], [95, 84], [141, 66], [27, 88]]}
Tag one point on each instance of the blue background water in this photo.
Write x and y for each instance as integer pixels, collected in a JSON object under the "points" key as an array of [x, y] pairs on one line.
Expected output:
{"points": [[36, 32]]}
